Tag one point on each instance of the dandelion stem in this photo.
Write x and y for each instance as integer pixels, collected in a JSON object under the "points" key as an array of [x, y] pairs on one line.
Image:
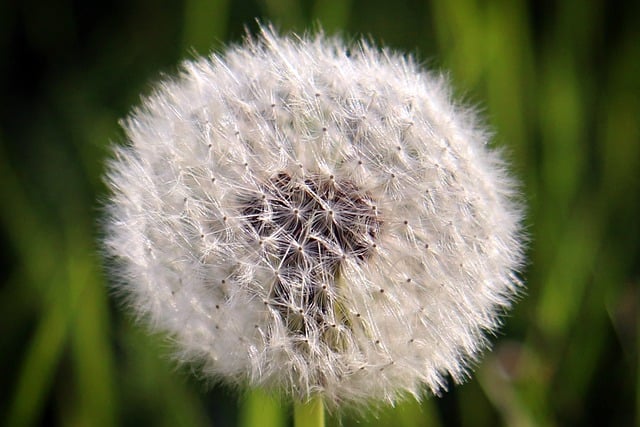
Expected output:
{"points": [[309, 413]]}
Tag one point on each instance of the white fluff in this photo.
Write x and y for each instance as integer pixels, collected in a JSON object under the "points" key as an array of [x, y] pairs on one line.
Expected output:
{"points": [[203, 260]]}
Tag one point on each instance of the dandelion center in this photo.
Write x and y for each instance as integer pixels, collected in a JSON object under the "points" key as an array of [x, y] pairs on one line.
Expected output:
{"points": [[307, 228]]}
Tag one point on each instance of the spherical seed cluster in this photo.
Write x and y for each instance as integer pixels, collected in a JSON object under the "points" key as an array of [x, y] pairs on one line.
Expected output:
{"points": [[314, 218]]}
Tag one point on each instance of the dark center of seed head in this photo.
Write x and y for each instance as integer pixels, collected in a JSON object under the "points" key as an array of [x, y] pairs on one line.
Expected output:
{"points": [[313, 224]]}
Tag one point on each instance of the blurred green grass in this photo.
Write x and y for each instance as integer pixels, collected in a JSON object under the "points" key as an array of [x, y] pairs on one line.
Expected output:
{"points": [[559, 85]]}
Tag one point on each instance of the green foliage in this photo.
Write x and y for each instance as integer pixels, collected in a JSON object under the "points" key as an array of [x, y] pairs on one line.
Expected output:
{"points": [[557, 82]]}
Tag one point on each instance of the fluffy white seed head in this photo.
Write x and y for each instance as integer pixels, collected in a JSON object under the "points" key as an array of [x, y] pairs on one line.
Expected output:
{"points": [[311, 217]]}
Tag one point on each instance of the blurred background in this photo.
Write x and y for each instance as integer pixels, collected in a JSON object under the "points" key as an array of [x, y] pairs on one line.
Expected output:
{"points": [[558, 82]]}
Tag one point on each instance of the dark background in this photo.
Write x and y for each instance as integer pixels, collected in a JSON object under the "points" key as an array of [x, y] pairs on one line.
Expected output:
{"points": [[559, 84]]}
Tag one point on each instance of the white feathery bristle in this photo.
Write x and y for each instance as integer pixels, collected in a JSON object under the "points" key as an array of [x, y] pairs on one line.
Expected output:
{"points": [[311, 217]]}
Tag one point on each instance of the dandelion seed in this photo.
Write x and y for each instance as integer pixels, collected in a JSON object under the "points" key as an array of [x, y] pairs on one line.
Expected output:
{"points": [[314, 218]]}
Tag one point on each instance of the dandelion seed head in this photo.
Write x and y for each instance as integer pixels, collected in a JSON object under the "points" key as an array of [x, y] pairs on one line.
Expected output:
{"points": [[311, 217]]}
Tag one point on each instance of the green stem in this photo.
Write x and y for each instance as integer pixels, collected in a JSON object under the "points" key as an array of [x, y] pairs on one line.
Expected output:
{"points": [[309, 413]]}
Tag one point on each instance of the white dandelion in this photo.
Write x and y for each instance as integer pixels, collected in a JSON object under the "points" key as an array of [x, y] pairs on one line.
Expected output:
{"points": [[314, 218]]}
